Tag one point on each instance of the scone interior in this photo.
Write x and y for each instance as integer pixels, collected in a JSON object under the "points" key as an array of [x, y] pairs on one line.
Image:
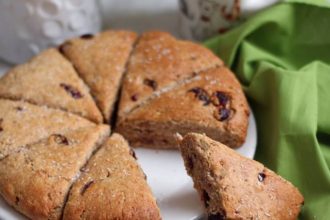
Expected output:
{"points": [[112, 186], [234, 187]]}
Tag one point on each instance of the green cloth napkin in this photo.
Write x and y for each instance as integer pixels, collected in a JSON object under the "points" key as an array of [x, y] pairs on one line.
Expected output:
{"points": [[282, 58]]}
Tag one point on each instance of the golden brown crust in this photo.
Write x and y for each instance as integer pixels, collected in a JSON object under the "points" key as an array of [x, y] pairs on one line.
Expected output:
{"points": [[159, 61], [36, 179], [234, 187], [191, 107], [112, 186], [100, 61], [50, 80], [23, 123]]}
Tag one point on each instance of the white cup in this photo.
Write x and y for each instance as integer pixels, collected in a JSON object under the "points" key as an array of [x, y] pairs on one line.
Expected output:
{"points": [[29, 26], [202, 19]]}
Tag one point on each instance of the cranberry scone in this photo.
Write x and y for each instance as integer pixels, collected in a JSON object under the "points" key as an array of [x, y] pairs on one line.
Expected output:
{"points": [[211, 102], [112, 186], [159, 62], [22, 123], [49, 79], [101, 62], [36, 179], [234, 187]]}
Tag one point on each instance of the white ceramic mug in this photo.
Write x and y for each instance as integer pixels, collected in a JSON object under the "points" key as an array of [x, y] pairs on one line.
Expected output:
{"points": [[29, 26], [201, 19]]}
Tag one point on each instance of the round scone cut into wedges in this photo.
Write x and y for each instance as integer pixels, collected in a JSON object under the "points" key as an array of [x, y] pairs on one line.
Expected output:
{"points": [[234, 187]]}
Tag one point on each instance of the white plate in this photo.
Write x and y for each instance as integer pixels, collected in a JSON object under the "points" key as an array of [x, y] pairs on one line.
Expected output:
{"points": [[168, 179]]}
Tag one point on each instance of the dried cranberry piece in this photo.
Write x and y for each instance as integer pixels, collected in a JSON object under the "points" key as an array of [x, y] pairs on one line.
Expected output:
{"points": [[152, 83], [86, 186], [17, 200], [71, 90], [221, 98], [87, 36], [201, 94], [206, 198], [190, 163], [224, 114], [60, 139], [19, 108], [261, 177], [216, 216], [134, 97]]}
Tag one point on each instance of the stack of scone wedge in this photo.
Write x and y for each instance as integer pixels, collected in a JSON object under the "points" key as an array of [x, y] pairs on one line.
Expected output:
{"points": [[58, 159]]}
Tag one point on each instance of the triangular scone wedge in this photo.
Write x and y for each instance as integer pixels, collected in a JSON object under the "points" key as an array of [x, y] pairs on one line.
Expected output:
{"points": [[234, 187], [49, 79], [37, 179], [158, 63], [100, 60], [22, 123], [112, 186], [212, 103]]}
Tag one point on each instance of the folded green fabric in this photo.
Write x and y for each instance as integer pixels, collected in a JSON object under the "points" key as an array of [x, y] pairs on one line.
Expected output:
{"points": [[282, 58]]}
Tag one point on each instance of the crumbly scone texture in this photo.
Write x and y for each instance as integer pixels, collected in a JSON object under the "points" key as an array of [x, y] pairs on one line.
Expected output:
{"points": [[234, 187], [112, 186], [211, 102], [37, 179], [49, 79], [159, 62], [22, 123], [101, 61]]}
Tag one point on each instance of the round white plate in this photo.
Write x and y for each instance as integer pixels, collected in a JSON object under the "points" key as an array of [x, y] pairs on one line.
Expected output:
{"points": [[167, 177]]}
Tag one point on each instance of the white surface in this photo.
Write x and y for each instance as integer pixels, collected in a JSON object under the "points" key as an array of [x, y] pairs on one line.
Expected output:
{"points": [[166, 174]]}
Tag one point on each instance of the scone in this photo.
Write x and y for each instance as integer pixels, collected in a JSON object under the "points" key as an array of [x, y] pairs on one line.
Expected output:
{"points": [[112, 186], [36, 179], [211, 102], [234, 187], [101, 61], [22, 123], [159, 62], [50, 80]]}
